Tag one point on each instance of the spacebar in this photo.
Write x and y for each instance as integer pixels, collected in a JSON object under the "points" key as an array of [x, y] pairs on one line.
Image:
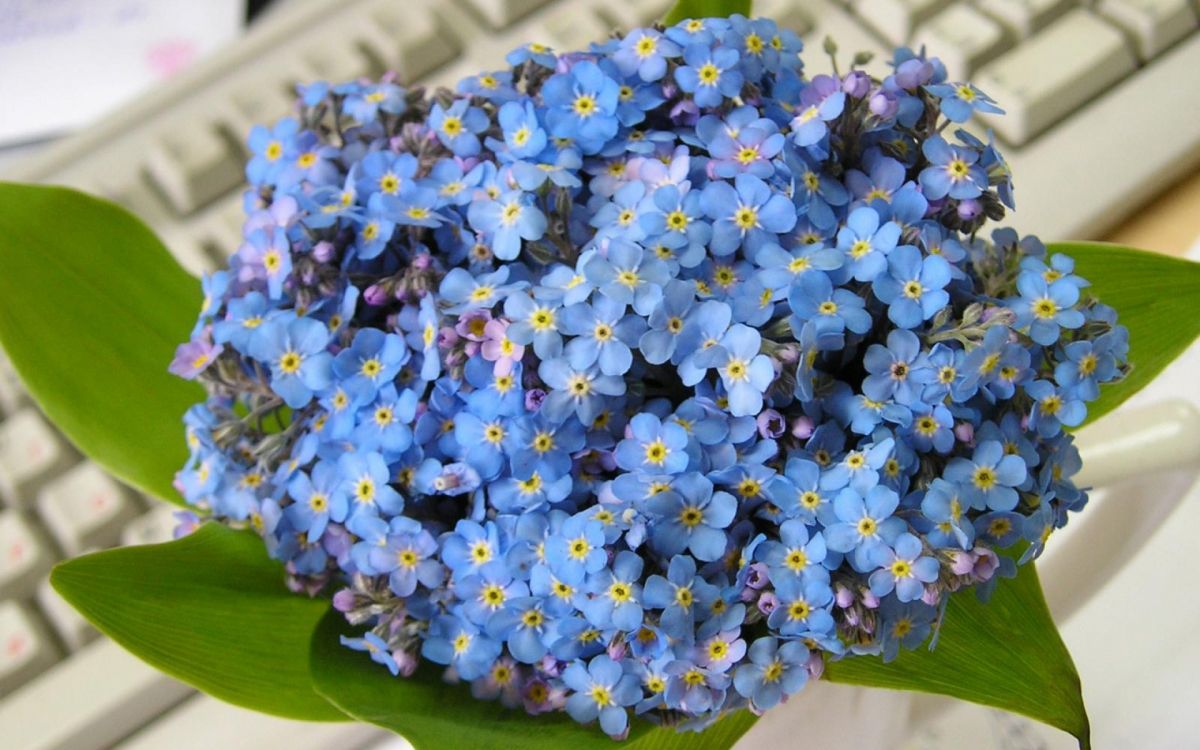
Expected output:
{"points": [[95, 697], [204, 723]]}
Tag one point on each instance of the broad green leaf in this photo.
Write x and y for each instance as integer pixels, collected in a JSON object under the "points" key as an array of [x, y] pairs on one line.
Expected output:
{"points": [[432, 714], [685, 9], [1006, 654], [210, 609], [1155, 296], [91, 308]]}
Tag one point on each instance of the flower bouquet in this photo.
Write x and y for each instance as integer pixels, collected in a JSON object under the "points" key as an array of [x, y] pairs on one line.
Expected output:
{"points": [[632, 388]]}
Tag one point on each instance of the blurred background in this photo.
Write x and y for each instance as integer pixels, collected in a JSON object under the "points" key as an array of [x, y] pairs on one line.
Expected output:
{"points": [[148, 102]]}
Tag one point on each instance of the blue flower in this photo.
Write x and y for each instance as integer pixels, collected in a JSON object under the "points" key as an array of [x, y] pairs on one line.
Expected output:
{"points": [[458, 643], [604, 335], [804, 607], [914, 287], [267, 254], [666, 323], [948, 516], [902, 568], [683, 597], [745, 372], [702, 330], [654, 447], [581, 105], [509, 218], [363, 102], [903, 624], [470, 547], [615, 594], [316, 499], [821, 101], [534, 322], [645, 52], [524, 627], [602, 690], [988, 477], [832, 309], [691, 516], [385, 172], [406, 556], [414, 206], [294, 349], [952, 171], [1046, 308], [576, 391], [796, 553], [457, 126], [577, 548], [749, 216], [365, 480], [628, 275], [269, 148], [376, 647], [863, 524], [898, 371], [523, 132], [866, 243], [465, 291], [1054, 408], [773, 672], [387, 424], [373, 359], [709, 75], [960, 100]]}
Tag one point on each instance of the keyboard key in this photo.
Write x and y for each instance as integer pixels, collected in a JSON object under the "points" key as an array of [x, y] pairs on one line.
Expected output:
{"points": [[789, 14], [501, 13], [30, 454], [71, 627], [895, 20], [153, 527], [193, 164], [85, 508], [409, 40], [628, 14], [1154, 24], [260, 102], [25, 649], [963, 38], [1025, 17], [1059, 69], [98, 696], [338, 62], [203, 723], [12, 391], [25, 556], [190, 253], [568, 27]]}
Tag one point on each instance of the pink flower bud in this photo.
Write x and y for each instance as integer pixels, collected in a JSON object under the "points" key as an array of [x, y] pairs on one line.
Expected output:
{"points": [[376, 295], [802, 428], [843, 595], [961, 562], [323, 251]]}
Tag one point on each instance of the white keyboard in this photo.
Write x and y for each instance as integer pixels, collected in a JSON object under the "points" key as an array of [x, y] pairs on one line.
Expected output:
{"points": [[1101, 98]]}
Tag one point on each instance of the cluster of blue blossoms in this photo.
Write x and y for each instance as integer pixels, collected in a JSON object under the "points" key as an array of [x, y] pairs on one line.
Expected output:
{"points": [[644, 379]]}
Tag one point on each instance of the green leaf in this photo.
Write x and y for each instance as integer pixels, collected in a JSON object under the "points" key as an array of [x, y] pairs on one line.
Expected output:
{"points": [[1155, 297], [685, 9], [1006, 654], [210, 609], [432, 714], [91, 308]]}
